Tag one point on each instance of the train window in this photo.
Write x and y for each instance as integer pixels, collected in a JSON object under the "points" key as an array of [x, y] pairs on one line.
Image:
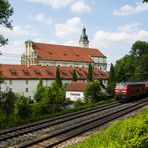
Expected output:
{"points": [[121, 85]]}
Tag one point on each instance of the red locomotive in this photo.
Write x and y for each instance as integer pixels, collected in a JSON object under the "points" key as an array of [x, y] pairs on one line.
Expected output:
{"points": [[130, 90]]}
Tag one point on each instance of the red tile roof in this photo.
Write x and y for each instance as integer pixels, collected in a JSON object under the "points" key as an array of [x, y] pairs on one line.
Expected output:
{"points": [[46, 72], [76, 86], [65, 53]]}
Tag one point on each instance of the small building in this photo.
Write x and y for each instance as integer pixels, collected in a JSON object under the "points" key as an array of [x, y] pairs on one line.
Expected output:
{"points": [[75, 90]]}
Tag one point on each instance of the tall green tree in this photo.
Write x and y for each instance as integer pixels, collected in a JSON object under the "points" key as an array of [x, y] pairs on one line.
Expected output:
{"points": [[58, 78], [8, 103], [111, 80], [133, 67], [139, 48], [5, 12], [40, 91], [90, 73], [92, 92], [111, 75], [74, 76], [55, 95]]}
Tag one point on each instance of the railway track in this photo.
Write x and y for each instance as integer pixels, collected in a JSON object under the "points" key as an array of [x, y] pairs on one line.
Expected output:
{"points": [[76, 124], [29, 128]]}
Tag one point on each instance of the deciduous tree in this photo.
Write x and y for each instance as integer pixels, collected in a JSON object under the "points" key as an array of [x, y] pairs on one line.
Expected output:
{"points": [[40, 91], [92, 92], [5, 12]]}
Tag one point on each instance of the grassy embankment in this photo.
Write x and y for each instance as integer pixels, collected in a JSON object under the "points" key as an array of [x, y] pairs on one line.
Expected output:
{"points": [[126, 133]]}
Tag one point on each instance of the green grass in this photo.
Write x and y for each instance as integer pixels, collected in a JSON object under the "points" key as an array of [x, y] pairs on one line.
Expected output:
{"points": [[126, 133], [14, 121]]}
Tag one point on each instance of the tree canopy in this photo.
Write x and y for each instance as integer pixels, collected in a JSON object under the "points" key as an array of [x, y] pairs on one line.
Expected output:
{"points": [[39, 93], [92, 92], [134, 66], [5, 12]]}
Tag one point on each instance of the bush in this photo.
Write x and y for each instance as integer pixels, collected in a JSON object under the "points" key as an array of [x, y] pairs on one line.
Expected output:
{"points": [[92, 92], [77, 103], [23, 107]]}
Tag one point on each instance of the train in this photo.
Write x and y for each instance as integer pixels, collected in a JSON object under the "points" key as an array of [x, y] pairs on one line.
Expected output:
{"points": [[127, 91]]}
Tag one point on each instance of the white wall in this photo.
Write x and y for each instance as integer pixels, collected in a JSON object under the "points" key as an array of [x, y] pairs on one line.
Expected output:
{"points": [[20, 86], [74, 95]]}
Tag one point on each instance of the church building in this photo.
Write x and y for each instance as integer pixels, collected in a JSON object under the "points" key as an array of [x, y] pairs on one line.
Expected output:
{"points": [[41, 60], [61, 55]]}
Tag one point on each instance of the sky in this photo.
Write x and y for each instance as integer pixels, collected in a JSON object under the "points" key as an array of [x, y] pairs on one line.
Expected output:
{"points": [[112, 26]]}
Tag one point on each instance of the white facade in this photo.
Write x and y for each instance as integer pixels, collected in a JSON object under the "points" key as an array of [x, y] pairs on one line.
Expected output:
{"points": [[74, 95], [25, 87]]}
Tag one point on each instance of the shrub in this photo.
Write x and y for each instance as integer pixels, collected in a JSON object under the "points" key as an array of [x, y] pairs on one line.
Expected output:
{"points": [[23, 107], [92, 92]]}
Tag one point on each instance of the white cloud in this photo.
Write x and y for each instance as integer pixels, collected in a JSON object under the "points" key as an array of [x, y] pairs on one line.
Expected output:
{"points": [[42, 18], [80, 7], [18, 31], [70, 28], [71, 43], [12, 52], [118, 43], [124, 34], [54, 3], [127, 9]]}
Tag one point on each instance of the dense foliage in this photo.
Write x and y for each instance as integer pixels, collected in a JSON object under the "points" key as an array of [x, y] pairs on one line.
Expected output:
{"points": [[111, 80], [134, 66], [5, 12], [90, 73], [92, 92], [74, 76], [39, 93], [58, 78], [127, 133]]}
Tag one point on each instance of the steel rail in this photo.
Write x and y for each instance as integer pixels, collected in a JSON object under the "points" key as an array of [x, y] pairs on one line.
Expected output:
{"points": [[8, 134], [93, 122]]}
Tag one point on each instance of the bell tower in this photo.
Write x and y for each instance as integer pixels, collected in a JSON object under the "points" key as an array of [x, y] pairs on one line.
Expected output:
{"points": [[84, 42]]}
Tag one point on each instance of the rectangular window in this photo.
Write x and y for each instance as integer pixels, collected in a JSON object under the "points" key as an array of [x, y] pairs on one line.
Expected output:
{"points": [[26, 89], [26, 81], [10, 82]]}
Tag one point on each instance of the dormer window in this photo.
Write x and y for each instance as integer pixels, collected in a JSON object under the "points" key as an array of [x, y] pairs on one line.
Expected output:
{"points": [[102, 74], [50, 53], [80, 74], [96, 74], [37, 72], [13, 72], [64, 73], [26, 72], [65, 54], [49, 72]]}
